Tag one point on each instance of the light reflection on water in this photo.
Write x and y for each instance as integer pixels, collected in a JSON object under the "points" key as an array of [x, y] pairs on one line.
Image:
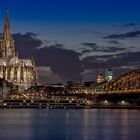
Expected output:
{"points": [[70, 124]]}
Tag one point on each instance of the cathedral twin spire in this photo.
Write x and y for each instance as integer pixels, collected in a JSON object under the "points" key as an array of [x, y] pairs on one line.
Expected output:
{"points": [[7, 48], [7, 27]]}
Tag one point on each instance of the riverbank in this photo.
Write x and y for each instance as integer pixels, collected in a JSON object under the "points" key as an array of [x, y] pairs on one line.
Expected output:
{"points": [[69, 107], [42, 104], [104, 101]]}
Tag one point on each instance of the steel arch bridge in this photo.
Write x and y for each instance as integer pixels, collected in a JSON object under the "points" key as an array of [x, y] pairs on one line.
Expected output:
{"points": [[127, 82]]}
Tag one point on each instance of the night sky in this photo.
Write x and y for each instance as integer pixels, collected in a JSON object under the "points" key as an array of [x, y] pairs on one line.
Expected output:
{"points": [[75, 39]]}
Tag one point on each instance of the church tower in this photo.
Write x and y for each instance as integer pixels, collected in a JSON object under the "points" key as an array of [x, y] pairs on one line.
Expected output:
{"points": [[19, 72], [7, 48]]}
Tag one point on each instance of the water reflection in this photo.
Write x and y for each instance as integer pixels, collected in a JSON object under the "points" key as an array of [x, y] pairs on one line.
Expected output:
{"points": [[69, 124]]}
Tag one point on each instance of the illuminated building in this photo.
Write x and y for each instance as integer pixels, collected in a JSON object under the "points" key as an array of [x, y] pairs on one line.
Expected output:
{"points": [[108, 74], [100, 78], [19, 72]]}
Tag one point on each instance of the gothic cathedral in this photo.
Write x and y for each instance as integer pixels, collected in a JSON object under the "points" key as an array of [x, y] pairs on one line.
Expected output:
{"points": [[19, 72]]}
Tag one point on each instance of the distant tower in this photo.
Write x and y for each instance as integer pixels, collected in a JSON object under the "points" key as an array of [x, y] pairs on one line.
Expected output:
{"points": [[109, 74], [7, 48], [100, 78]]}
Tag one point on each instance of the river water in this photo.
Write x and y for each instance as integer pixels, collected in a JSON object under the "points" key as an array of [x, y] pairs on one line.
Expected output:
{"points": [[93, 124]]}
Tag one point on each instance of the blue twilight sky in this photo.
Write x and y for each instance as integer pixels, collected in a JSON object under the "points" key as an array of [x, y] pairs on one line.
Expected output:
{"points": [[40, 14], [97, 32]]}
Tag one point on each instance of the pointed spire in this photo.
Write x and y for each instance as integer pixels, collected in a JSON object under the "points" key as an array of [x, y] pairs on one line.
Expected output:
{"points": [[33, 61], [7, 43], [7, 26]]}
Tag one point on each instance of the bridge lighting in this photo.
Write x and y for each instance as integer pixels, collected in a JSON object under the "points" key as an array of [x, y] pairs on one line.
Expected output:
{"points": [[123, 102], [70, 101], [5, 104], [106, 102]]}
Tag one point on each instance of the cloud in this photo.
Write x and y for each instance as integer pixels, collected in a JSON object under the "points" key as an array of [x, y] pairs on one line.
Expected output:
{"points": [[114, 42], [26, 44], [90, 45], [90, 74], [47, 76], [123, 35], [119, 62], [126, 25], [128, 59], [129, 25], [97, 48], [85, 51], [63, 62], [55, 63], [115, 49]]}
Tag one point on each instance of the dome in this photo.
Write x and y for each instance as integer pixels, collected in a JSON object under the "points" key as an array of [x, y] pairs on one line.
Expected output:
{"points": [[100, 78]]}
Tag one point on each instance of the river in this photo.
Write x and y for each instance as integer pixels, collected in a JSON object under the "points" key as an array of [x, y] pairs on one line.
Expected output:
{"points": [[68, 124]]}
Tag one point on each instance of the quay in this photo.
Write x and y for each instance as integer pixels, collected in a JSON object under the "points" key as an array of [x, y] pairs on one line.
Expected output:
{"points": [[109, 101], [43, 104]]}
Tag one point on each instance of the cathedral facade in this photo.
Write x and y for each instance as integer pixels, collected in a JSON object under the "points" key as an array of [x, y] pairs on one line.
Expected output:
{"points": [[19, 72]]}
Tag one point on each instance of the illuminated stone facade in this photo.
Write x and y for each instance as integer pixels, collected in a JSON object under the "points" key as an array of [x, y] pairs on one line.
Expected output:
{"points": [[21, 72], [100, 78]]}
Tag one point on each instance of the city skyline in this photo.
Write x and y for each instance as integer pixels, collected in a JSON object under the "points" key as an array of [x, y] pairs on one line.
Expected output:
{"points": [[75, 40]]}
